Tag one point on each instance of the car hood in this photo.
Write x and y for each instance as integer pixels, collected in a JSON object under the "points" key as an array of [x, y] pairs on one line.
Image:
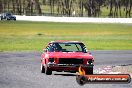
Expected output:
{"points": [[14, 16], [70, 55]]}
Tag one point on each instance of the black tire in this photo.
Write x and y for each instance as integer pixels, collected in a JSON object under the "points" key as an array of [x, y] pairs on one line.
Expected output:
{"points": [[48, 71], [89, 71], [1, 18], [42, 69], [81, 80], [8, 19]]}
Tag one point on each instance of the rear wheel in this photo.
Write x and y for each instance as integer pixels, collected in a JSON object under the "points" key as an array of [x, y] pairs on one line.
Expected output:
{"points": [[48, 71]]}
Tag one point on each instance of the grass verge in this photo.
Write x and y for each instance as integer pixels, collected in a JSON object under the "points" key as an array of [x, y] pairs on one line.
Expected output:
{"points": [[20, 35]]}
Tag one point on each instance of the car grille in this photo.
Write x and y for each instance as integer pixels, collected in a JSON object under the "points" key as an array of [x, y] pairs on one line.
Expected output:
{"points": [[70, 61]]}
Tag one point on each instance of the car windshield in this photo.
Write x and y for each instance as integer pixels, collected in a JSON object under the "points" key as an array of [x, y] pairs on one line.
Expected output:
{"points": [[69, 47], [8, 14]]}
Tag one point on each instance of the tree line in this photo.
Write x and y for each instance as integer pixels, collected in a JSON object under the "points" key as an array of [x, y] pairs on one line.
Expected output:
{"points": [[90, 8], [27, 7]]}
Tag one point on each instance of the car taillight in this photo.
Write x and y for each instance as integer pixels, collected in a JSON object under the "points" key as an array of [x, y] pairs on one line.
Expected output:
{"points": [[51, 60], [90, 61]]}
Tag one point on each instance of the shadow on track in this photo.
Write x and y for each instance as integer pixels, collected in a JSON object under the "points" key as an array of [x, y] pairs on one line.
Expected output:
{"points": [[66, 74]]}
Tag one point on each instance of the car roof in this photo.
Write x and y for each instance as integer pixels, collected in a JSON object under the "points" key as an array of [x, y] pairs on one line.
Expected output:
{"points": [[64, 41]]}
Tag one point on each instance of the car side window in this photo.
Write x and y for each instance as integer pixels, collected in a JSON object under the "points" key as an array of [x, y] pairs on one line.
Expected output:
{"points": [[50, 48]]}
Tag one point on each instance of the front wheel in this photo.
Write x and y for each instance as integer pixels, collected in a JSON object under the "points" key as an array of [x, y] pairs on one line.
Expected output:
{"points": [[48, 71], [81, 80], [42, 69]]}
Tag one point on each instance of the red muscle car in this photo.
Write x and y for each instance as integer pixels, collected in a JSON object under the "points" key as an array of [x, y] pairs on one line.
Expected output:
{"points": [[66, 56]]}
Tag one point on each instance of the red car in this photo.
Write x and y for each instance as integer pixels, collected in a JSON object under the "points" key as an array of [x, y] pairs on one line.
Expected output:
{"points": [[66, 56]]}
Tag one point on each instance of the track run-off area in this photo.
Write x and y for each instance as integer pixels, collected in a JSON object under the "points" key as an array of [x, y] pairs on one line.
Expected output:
{"points": [[22, 70]]}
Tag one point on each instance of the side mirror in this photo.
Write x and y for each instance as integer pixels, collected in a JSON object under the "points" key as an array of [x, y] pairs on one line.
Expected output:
{"points": [[89, 52], [45, 50]]}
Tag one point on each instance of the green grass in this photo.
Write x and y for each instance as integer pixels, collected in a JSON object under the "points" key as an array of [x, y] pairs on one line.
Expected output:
{"points": [[20, 35]]}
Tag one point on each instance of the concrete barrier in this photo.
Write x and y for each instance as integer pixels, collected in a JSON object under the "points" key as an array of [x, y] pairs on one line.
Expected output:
{"points": [[74, 19]]}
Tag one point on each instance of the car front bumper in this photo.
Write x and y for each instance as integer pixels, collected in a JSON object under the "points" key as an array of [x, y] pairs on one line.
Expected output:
{"points": [[68, 67]]}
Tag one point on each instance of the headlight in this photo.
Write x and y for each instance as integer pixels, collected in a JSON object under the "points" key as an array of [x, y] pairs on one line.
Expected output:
{"points": [[90, 61]]}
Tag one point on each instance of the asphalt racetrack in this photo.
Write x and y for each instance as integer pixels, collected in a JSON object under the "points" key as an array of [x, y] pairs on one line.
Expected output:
{"points": [[22, 70]]}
